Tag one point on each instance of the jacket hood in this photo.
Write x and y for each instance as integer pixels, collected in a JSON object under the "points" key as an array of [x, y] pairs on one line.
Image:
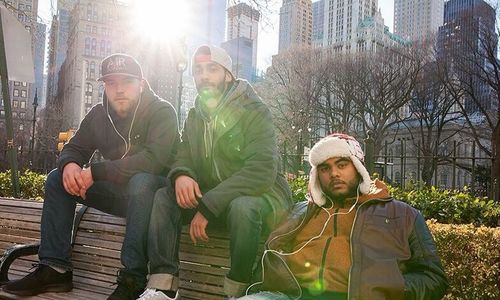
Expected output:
{"points": [[234, 92]]}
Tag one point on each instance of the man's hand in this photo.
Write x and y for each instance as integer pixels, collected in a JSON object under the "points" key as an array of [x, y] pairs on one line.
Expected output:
{"points": [[88, 181], [197, 228], [72, 179], [187, 192]]}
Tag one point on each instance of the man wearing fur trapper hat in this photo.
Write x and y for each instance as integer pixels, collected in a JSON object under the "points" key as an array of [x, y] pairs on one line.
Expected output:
{"points": [[351, 240]]}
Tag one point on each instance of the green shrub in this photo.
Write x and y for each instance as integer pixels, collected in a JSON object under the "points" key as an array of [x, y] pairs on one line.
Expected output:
{"points": [[470, 257], [299, 188], [31, 185], [449, 207]]}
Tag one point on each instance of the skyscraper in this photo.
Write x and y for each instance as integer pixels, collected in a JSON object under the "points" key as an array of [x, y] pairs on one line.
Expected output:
{"points": [[209, 24], [58, 38], [318, 17], [465, 24], [22, 93], [350, 26], [96, 30], [39, 61], [417, 19], [342, 18], [242, 35], [295, 24]]}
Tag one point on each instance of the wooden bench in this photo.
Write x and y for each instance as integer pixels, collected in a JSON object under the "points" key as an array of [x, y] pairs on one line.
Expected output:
{"points": [[96, 254]]}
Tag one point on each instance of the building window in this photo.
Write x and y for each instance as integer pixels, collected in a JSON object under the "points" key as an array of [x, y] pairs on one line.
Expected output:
{"points": [[443, 180], [92, 70], [14, 114], [101, 91], [89, 12], [17, 83], [89, 89], [16, 93], [22, 115], [103, 48], [94, 47], [23, 104], [24, 83], [21, 126], [88, 99], [15, 103], [2, 113], [108, 48], [23, 94], [87, 46]]}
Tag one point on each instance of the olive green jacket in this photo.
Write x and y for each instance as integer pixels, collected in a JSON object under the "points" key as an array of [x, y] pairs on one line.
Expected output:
{"points": [[232, 153]]}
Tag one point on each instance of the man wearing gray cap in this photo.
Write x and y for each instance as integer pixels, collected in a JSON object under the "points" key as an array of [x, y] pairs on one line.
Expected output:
{"points": [[225, 173], [136, 132]]}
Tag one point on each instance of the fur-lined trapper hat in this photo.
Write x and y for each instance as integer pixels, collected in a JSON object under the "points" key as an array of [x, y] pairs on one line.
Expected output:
{"points": [[336, 145]]}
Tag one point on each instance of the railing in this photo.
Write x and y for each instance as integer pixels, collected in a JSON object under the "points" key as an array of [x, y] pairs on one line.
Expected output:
{"points": [[403, 170]]}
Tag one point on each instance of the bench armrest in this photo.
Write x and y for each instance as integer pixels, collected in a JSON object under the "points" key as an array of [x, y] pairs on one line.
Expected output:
{"points": [[12, 254]]}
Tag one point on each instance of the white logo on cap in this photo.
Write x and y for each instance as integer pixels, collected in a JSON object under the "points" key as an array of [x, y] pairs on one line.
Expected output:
{"points": [[116, 65]]}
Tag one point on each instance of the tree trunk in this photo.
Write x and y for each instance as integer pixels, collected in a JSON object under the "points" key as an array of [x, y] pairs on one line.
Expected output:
{"points": [[495, 164]]}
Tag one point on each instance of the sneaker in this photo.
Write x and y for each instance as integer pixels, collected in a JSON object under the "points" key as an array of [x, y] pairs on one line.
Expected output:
{"points": [[43, 279], [152, 294], [128, 287]]}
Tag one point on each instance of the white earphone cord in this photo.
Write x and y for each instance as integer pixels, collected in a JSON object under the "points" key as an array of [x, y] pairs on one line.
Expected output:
{"points": [[129, 144], [306, 243]]}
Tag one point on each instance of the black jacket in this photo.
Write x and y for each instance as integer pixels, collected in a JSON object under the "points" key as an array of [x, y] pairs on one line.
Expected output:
{"points": [[154, 139], [392, 249]]}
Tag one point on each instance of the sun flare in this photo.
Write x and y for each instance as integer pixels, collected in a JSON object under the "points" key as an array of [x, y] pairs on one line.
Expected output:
{"points": [[161, 20]]}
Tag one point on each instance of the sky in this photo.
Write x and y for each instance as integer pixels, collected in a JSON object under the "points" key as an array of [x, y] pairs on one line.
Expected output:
{"points": [[268, 33]]}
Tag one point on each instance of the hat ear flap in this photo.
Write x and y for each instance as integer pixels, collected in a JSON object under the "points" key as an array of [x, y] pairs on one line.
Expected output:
{"points": [[366, 181], [315, 188]]}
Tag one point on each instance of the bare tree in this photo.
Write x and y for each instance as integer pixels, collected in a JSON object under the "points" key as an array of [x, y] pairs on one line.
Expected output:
{"points": [[473, 79], [336, 107], [383, 87], [433, 119], [292, 88]]}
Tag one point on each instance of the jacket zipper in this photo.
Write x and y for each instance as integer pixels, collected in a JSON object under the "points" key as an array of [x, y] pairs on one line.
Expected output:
{"points": [[350, 249], [217, 172], [323, 261], [350, 242]]}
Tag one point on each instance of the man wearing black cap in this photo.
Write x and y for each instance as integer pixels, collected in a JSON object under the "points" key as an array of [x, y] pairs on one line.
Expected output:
{"points": [[226, 173], [136, 132]]}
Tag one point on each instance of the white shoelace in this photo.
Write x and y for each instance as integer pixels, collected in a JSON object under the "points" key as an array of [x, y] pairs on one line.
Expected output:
{"points": [[147, 294], [154, 294]]}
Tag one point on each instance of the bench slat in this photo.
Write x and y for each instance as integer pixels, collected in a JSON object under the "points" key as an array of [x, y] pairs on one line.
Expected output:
{"points": [[96, 253]]}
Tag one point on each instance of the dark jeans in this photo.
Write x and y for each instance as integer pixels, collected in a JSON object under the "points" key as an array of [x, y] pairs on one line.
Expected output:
{"points": [[132, 200], [243, 218]]}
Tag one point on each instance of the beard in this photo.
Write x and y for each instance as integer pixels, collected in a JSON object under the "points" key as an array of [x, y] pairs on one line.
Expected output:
{"points": [[338, 190], [210, 94]]}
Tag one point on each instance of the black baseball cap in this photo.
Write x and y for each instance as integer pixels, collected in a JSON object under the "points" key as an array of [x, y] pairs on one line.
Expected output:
{"points": [[120, 64]]}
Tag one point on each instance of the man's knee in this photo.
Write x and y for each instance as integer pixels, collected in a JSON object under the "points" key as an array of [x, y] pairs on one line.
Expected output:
{"points": [[246, 209], [144, 183], [54, 180], [165, 198]]}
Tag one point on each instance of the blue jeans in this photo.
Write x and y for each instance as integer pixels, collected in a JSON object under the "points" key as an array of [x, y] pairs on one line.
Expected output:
{"points": [[132, 200], [243, 218], [266, 296], [305, 296]]}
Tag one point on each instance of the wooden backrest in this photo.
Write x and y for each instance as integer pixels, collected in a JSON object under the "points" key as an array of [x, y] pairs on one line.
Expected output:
{"points": [[96, 252]]}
